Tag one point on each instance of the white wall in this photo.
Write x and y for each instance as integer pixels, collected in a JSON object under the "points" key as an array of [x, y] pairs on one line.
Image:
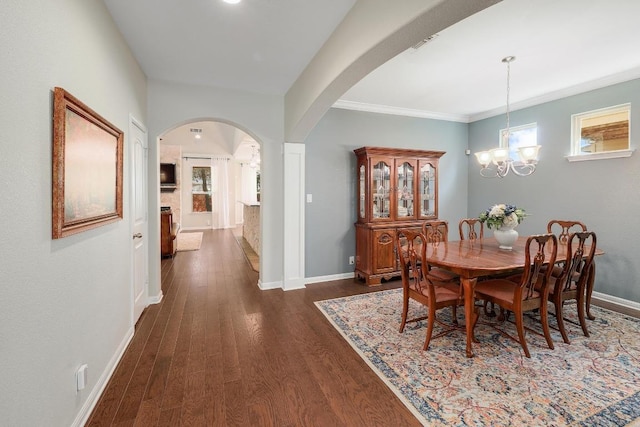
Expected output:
{"points": [[260, 116], [64, 302]]}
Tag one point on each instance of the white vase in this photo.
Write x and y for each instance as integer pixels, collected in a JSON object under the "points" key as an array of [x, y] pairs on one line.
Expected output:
{"points": [[506, 237]]}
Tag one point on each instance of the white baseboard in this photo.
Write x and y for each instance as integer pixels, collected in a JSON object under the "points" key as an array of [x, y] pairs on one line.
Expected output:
{"points": [[93, 398], [615, 301], [269, 285], [329, 278], [155, 299], [300, 283], [294, 284]]}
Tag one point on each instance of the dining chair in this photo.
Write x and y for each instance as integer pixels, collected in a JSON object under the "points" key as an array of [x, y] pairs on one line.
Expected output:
{"points": [[472, 229], [467, 229], [527, 291], [563, 229], [418, 286], [436, 232], [572, 281]]}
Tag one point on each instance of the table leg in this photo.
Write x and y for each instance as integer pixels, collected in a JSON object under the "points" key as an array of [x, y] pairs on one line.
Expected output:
{"points": [[590, 282], [469, 311]]}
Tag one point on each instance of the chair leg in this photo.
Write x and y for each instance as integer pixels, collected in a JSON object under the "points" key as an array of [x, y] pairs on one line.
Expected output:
{"points": [[581, 315], [544, 318], [559, 304], [520, 328], [590, 281], [430, 321], [454, 314], [405, 309]]}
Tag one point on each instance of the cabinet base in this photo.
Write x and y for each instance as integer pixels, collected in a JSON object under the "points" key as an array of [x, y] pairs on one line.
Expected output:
{"points": [[375, 279]]}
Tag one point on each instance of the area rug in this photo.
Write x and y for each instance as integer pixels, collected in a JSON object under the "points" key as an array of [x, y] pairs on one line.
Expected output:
{"points": [[593, 381], [189, 241]]}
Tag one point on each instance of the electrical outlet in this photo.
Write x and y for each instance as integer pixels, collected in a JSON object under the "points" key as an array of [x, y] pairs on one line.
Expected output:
{"points": [[352, 260]]}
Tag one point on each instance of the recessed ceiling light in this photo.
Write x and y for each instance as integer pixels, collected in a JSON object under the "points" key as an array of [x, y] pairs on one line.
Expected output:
{"points": [[197, 132], [232, 1]]}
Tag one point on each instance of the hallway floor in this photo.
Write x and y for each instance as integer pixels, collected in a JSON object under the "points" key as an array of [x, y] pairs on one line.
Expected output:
{"points": [[218, 351]]}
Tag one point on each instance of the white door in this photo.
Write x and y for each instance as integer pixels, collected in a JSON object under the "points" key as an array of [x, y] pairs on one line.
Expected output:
{"points": [[139, 217]]}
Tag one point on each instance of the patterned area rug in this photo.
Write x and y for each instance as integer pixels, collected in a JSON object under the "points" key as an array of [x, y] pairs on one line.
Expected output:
{"points": [[593, 381], [189, 241]]}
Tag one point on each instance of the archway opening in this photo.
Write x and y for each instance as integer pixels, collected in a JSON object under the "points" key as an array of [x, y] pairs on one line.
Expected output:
{"points": [[215, 183]]}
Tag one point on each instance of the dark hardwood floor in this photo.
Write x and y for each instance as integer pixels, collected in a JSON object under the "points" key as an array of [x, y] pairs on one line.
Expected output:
{"points": [[218, 351]]}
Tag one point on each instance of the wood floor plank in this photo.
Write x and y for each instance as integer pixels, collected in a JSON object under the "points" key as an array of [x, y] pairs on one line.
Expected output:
{"points": [[218, 351]]}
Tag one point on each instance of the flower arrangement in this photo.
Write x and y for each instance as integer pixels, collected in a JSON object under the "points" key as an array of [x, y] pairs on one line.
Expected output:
{"points": [[499, 215]]}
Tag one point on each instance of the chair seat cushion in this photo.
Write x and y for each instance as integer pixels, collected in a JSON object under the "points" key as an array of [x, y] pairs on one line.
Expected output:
{"points": [[573, 286], [442, 293], [498, 289], [442, 275]]}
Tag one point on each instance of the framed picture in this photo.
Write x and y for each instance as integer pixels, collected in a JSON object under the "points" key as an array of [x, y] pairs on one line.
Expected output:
{"points": [[87, 167]]}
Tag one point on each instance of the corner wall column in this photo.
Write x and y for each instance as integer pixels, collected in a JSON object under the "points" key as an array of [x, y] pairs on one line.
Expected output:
{"points": [[294, 186]]}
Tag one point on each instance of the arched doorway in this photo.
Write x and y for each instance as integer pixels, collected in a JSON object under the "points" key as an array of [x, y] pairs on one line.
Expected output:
{"points": [[217, 170]]}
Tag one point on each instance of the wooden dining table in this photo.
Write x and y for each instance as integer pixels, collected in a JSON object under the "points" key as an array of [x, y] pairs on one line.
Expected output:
{"points": [[474, 259]]}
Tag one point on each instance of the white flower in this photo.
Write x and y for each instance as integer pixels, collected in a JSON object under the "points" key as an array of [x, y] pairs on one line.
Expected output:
{"points": [[510, 220], [497, 210]]}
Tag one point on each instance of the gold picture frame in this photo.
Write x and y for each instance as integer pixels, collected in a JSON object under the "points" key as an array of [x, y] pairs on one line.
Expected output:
{"points": [[87, 167]]}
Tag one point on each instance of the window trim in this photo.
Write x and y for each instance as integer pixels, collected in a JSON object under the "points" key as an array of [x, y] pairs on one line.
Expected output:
{"points": [[576, 133]]}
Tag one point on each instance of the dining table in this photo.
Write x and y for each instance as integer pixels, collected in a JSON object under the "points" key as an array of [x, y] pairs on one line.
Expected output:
{"points": [[478, 258]]}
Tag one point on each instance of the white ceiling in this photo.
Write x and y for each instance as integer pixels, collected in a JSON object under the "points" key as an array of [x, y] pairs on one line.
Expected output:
{"points": [[562, 47]]}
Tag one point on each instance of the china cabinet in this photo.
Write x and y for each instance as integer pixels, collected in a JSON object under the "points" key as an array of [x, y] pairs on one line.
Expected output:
{"points": [[396, 188]]}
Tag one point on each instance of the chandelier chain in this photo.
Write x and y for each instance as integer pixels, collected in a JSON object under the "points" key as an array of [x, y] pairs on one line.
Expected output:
{"points": [[508, 61]]}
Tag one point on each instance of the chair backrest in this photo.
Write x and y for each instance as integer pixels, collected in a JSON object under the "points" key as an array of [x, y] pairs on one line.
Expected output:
{"points": [[539, 250], [565, 229], [436, 231], [467, 229], [409, 249], [581, 249]]}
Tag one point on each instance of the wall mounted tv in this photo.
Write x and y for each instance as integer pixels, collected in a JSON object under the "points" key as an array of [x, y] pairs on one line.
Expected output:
{"points": [[168, 175]]}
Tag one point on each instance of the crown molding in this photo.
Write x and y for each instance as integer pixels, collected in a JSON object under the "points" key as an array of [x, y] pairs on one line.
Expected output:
{"points": [[622, 77], [398, 111], [611, 80]]}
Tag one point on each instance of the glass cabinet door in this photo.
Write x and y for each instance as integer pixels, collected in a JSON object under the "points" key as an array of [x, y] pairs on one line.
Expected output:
{"points": [[361, 192], [427, 191], [405, 190], [381, 189]]}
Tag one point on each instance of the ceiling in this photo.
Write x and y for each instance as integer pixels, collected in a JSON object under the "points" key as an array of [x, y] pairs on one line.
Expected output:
{"points": [[562, 47]]}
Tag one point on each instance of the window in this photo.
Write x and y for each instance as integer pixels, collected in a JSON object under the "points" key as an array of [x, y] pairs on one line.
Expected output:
{"points": [[201, 189], [519, 136], [602, 133], [258, 185]]}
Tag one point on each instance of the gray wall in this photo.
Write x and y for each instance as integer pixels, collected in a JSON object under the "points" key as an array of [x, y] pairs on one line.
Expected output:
{"points": [[64, 302], [601, 193], [331, 177]]}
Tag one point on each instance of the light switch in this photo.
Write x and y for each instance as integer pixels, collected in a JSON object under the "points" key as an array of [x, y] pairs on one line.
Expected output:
{"points": [[81, 377], [309, 198]]}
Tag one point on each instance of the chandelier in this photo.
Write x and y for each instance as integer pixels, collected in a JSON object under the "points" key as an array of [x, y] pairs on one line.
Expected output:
{"points": [[496, 162]]}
